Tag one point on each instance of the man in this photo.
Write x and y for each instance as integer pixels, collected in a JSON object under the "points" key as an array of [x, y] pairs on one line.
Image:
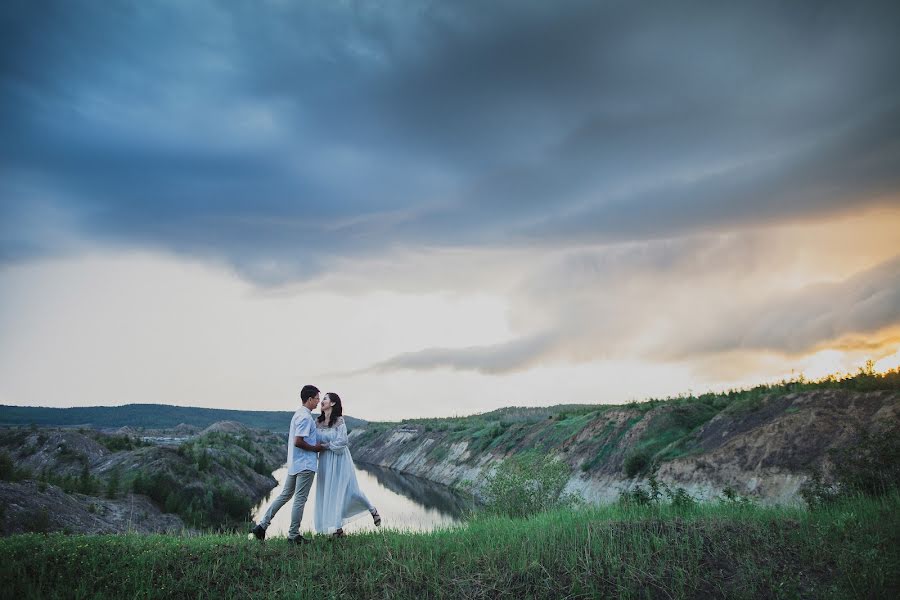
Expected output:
{"points": [[303, 449]]}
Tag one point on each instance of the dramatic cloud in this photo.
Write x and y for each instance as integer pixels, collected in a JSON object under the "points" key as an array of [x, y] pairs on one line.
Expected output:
{"points": [[422, 199], [278, 136], [687, 298]]}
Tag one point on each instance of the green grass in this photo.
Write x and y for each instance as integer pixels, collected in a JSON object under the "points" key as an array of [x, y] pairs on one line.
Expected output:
{"points": [[848, 550]]}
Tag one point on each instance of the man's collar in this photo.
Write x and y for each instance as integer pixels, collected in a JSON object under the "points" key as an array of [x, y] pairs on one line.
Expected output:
{"points": [[309, 412]]}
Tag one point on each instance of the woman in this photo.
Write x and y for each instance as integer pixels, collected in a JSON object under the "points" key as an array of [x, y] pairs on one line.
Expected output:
{"points": [[338, 497]]}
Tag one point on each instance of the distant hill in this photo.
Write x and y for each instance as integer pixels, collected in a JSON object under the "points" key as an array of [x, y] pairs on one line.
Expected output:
{"points": [[148, 416]]}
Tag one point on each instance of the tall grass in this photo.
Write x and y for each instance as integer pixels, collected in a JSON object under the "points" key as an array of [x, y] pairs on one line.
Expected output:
{"points": [[847, 550]]}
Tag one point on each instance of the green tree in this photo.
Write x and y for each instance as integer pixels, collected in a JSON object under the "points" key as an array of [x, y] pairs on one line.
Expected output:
{"points": [[112, 484], [203, 460], [85, 481], [7, 468]]}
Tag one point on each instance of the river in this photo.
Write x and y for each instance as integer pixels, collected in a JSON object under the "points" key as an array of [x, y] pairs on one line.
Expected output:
{"points": [[404, 502]]}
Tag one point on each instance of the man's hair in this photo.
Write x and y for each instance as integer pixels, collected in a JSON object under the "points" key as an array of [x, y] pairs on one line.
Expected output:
{"points": [[308, 392]]}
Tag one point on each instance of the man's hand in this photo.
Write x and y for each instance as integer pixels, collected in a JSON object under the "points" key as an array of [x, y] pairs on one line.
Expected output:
{"points": [[299, 442]]}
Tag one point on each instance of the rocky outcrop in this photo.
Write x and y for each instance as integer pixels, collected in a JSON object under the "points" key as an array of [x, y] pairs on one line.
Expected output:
{"points": [[767, 452], [63, 452], [226, 427], [762, 449], [33, 506]]}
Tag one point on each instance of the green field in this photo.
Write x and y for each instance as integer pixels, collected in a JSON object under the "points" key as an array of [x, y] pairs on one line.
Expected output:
{"points": [[850, 549]]}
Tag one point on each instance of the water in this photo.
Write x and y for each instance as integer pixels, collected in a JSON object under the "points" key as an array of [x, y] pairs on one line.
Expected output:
{"points": [[404, 502]]}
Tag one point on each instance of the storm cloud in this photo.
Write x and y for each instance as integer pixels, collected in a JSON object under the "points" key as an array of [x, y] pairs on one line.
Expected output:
{"points": [[277, 137]]}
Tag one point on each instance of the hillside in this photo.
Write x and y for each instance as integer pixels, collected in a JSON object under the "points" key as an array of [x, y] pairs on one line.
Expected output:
{"points": [[91, 482], [761, 443], [147, 416]]}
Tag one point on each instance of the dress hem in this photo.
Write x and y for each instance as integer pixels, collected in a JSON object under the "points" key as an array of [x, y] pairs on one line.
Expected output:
{"points": [[350, 519]]}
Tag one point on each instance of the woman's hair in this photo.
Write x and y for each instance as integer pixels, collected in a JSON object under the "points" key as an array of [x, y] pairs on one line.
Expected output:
{"points": [[336, 409]]}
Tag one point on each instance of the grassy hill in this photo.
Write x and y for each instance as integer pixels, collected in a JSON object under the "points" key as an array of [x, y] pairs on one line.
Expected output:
{"points": [[712, 551], [148, 416]]}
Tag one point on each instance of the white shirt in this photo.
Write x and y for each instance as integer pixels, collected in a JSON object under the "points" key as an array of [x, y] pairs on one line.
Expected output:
{"points": [[302, 425]]}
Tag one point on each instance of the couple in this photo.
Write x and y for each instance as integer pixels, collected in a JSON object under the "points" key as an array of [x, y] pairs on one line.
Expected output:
{"points": [[324, 441]]}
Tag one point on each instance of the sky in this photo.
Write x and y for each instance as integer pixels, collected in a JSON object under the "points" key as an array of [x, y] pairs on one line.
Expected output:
{"points": [[443, 208]]}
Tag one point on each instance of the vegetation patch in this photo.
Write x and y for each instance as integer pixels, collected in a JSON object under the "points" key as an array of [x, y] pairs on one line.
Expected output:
{"points": [[870, 467], [717, 550], [525, 485]]}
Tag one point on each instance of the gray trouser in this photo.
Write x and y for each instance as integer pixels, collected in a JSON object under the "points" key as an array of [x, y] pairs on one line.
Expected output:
{"points": [[297, 486]]}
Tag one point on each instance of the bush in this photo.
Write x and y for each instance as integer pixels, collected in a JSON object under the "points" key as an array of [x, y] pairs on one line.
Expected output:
{"points": [[86, 483], [869, 467], [730, 497], [202, 460], [636, 463], [260, 466], [654, 493], [112, 484], [7, 468], [525, 485], [37, 521], [117, 443]]}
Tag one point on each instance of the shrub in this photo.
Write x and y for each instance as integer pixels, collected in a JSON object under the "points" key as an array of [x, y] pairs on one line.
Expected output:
{"points": [[870, 467], [202, 460], [112, 484], [37, 521], [730, 497], [654, 493], [260, 466], [525, 485], [636, 462], [116, 443], [7, 468], [679, 497], [637, 496]]}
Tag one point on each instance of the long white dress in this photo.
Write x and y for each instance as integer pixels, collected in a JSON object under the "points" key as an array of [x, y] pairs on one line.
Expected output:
{"points": [[338, 497]]}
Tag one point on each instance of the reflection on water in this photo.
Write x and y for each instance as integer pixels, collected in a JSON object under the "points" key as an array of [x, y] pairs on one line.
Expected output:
{"points": [[405, 502], [427, 493]]}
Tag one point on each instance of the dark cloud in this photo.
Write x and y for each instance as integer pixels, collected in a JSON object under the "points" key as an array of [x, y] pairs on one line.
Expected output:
{"points": [[251, 132], [499, 358]]}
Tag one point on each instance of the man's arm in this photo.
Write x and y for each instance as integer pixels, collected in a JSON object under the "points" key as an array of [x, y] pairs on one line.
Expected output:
{"points": [[299, 442]]}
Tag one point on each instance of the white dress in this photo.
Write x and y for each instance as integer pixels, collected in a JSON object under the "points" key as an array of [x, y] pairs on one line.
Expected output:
{"points": [[338, 497]]}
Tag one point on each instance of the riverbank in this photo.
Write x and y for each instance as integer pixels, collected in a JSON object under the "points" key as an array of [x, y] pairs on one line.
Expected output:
{"points": [[761, 442], [715, 550]]}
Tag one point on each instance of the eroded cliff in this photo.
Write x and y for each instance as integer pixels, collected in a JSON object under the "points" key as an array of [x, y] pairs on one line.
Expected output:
{"points": [[762, 446]]}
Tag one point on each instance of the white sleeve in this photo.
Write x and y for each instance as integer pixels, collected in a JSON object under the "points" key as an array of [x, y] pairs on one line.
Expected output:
{"points": [[339, 441], [304, 428]]}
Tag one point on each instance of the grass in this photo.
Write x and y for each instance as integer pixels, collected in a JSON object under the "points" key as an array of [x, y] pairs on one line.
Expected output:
{"points": [[846, 550]]}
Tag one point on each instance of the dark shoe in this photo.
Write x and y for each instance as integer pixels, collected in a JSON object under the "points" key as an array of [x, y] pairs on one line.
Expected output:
{"points": [[299, 540], [258, 532], [338, 533], [376, 517]]}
